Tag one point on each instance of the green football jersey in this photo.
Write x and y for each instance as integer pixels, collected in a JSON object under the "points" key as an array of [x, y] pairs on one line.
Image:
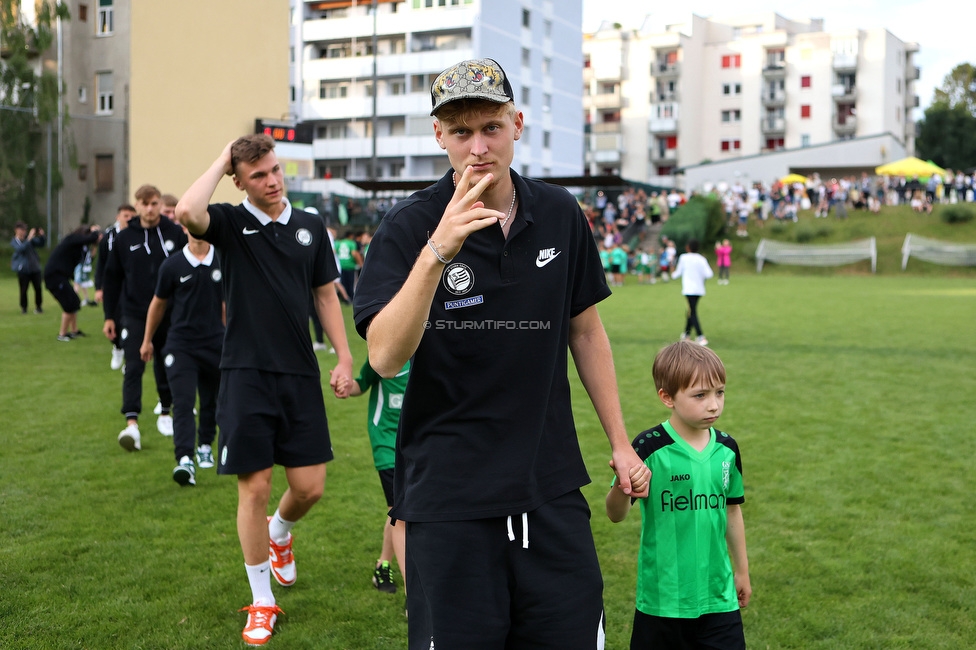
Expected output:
{"points": [[344, 250], [385, 402], [684, 570]]}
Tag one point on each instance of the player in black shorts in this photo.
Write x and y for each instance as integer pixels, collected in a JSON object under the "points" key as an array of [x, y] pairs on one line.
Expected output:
{"points": [[484, 280], [190, 280], [270, 409], [59, 271]]}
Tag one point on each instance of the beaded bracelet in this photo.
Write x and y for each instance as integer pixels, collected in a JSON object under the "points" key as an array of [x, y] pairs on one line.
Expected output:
{"points": [[437, 254]]}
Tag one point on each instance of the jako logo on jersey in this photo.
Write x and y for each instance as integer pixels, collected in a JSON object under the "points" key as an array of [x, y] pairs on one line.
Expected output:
{"points": [[680, 477], [458, 279], [216, 275], [546, 255], [303, 236]]}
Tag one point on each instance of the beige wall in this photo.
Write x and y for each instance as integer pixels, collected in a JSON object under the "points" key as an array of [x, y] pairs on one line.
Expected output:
{"points": [[201, 73]]}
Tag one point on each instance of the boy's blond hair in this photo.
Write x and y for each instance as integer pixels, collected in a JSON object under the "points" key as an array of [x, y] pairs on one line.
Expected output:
{"points": [[460, 111], [681, 364]]}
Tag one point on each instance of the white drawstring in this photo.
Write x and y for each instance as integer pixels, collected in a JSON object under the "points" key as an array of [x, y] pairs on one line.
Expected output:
{"points": [[525, 530]]}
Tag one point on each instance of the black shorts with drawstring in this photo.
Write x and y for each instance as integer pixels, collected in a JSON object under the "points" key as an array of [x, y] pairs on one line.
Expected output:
{"points": [[526, 581]]}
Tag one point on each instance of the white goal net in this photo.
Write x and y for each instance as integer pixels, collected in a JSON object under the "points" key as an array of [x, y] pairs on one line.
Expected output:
{"points": [[817, 254], [937, 252]]}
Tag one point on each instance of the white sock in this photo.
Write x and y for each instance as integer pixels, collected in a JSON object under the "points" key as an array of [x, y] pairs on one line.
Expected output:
{"points": [[279, 529], [259, 577]]}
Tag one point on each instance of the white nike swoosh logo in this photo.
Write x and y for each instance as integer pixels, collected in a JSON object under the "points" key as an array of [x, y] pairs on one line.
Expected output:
{"points": [[135, 247], [541, 263], [184, 278], [248, 232]]}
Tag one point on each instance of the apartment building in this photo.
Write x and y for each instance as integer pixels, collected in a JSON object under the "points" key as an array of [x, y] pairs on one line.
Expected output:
{"points": [[385, 133], [704, 90], [152, 96]]}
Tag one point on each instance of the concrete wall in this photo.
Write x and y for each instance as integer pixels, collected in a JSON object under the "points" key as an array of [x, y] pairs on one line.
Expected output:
{"points": [[202, 72]]}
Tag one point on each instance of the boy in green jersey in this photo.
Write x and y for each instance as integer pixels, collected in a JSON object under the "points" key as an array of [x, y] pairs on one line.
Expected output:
{"points": [[688, 591], [385, 402]]}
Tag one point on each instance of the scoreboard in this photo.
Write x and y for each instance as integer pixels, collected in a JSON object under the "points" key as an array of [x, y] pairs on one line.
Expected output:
{"points": [[300, 133]]}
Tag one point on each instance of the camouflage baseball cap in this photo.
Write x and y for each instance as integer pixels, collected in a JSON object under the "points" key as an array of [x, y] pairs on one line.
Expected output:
{"points": [[471, 79]]}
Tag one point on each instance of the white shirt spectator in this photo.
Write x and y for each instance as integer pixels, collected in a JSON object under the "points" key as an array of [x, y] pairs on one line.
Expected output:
{"points": [[693, 269]]}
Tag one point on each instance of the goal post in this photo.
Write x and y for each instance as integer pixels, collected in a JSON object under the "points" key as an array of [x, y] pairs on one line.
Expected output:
{"points": [[937, 252], [817, 254]]}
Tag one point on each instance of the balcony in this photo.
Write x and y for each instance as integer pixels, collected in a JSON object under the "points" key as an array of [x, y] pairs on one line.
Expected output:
{"points": [[664, 96], [843, 93], [604, 101], [845, 124], [913, 73], [774, 70], [771, 125], [774, 99], [663, 125], [605, 127], [664, 156], [606, 148], [665, 69], [845, 61], [914, 102]]}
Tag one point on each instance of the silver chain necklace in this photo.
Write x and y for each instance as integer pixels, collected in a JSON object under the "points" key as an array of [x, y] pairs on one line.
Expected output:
{"points": [[510, 209]]}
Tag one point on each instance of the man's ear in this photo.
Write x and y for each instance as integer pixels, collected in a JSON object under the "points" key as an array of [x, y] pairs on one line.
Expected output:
{"points": [[666, 398], [237, 183], [439, 134]]}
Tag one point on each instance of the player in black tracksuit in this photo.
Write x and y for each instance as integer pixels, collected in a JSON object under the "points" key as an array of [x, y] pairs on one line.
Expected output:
{"points": [[190, 283], [105, 246], [130, 281]]}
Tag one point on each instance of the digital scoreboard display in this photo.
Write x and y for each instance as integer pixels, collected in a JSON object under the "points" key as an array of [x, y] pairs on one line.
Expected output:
{"points": [[300, 133]]}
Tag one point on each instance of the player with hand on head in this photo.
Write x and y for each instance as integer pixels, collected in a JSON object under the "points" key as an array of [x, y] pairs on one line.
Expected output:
{"points": [[270, 407]]}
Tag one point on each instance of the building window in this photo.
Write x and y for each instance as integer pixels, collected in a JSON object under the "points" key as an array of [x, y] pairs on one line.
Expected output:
{"points": [[526, 18], [83, 13], [397, 88], [805, 111], [547, 102], [546, 138], [292, 93], [105, 93], [82, 173], [104, 173], [732, 89], [731, 145], [547, 66], [806, 81], [332, 90], [775, 143], [525, 96], [82, 94], [671, 142], [526, 57], [731, 60], [734, 115], [547, 28], [106, 18]]}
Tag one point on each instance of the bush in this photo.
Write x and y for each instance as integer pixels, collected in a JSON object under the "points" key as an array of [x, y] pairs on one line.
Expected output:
{"points": [[957, 213], [702, 218]]}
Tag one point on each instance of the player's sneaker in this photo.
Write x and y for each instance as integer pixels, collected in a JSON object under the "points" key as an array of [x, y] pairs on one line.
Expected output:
{"points": [[701, 340], [205, 457], [319, 346], [130, 439], [164, 423], [158, 409], [64, 337], [683, 337], [382, 579], [185, 473], [282, 562], [118, 358], [260, 623]]}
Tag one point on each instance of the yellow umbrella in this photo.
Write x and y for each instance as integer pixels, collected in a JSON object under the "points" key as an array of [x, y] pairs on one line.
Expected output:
{"points": [[789, 179], [910, 166]]}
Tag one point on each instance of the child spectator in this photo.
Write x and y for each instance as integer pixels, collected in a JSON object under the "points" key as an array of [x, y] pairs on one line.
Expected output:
{"points": [[689, 593], [723, 260], [385, 402]]}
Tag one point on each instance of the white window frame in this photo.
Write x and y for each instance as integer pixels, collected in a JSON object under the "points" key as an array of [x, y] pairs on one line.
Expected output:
{"points": [[105, 22], [105, 98]]}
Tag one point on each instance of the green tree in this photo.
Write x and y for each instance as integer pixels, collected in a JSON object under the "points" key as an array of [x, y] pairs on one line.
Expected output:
{"points": [[28, 106], [947, 132]]}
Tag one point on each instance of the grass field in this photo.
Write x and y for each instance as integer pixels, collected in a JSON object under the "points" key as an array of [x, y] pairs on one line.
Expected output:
{"points": [[852, 398]]}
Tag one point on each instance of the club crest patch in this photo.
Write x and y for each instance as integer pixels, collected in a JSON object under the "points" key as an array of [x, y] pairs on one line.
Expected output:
{"points": [[304, 237], [458, 278], [216, 275]]}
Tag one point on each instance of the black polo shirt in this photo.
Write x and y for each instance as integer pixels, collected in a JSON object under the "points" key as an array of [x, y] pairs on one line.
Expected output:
{"points": [[270, 268], [193, 289], [133, 265], [487, 426]]}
